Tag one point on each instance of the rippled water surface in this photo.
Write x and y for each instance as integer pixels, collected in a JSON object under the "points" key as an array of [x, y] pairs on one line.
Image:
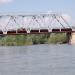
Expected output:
{"points": [[38, 60]]}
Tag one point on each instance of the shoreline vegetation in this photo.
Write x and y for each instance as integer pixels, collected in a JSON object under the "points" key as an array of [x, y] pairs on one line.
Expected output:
{"points": [[22, 40]]}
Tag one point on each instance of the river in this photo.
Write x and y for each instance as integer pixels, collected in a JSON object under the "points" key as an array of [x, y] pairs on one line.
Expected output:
{"points": [[38, 60]]}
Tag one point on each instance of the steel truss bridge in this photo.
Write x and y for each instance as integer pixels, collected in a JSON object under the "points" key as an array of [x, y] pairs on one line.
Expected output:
{"points": [[33, 24]]}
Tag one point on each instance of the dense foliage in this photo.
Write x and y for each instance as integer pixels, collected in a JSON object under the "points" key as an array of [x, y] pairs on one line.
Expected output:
{"points": [[19, 40]]}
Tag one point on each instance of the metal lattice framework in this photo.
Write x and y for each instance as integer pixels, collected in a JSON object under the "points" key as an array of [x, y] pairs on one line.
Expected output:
{"points": [[32, 22]]}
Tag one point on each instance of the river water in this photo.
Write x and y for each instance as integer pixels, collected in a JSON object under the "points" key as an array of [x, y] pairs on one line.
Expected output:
{"points": [[38, 60]]}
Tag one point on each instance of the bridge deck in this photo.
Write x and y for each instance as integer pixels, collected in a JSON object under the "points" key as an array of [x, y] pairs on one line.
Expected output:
{"points": [[33, 31]]}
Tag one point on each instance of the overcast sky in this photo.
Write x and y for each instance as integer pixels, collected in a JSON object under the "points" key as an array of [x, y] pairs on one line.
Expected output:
{"points": [[62, 6]]}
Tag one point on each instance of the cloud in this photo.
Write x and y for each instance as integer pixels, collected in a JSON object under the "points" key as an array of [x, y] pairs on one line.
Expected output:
{"points": [[5, 1], [66, 17]]}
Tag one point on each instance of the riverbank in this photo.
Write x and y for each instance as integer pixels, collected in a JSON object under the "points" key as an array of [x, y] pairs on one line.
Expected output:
{"points": [[21, 40]]}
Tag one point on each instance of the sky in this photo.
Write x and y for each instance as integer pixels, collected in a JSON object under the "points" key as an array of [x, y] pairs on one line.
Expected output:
{"points": [[59, 6]]}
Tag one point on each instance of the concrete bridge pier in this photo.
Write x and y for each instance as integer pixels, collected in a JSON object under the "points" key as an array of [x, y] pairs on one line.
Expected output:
{"points": [[72, 38]]}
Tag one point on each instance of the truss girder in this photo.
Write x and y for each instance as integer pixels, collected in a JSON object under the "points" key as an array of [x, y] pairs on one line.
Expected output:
{"points": [[38, 21]]}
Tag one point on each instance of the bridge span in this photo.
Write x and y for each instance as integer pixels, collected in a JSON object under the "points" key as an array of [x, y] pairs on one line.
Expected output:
{"points": [[43, 23]]}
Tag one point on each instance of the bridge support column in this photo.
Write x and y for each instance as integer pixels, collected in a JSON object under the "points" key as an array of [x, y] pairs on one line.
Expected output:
{"points": [[72, 38]]}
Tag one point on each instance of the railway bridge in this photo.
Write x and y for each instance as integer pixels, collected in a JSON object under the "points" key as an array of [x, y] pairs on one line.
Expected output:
{"points": [[21, 24]]}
